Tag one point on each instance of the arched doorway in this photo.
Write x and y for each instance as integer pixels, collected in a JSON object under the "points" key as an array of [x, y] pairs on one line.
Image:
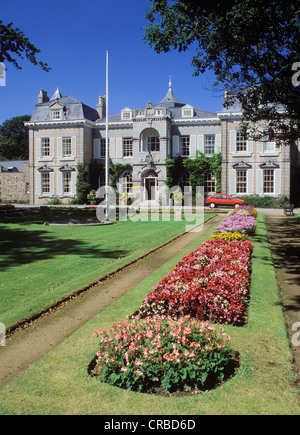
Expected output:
{"points": [[150, 183]]}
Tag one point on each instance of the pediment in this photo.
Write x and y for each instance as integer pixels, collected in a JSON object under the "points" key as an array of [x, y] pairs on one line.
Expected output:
{"points": [[242, 165], [67, 168], [56, 105], [45, 168], [269, 165]]}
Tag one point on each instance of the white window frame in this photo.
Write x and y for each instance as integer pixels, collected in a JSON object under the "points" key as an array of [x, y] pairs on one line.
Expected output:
{"points": [[153, 141], [209, 181], [127, 146], [187, 113], [126, 114], [103, 147], [209, 144], [184, 146], [45, 183], [267, 190], [67, 145], [241, 139], [67, 183], [56, 114], [241, 184], [45, 146]]}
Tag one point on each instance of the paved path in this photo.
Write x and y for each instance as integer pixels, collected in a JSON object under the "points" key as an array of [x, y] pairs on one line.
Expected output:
{"points": [[284, 238], [28, 345]]}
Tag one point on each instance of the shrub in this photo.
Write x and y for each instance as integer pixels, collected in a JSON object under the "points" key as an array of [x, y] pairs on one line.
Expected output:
{"points": [[157, 352], [82, 186], [211, 283], [264, 201], [54, 201]]}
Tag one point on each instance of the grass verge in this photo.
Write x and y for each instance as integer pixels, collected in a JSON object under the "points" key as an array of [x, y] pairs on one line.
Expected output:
{"points": [[42, 264], [59, 383]]}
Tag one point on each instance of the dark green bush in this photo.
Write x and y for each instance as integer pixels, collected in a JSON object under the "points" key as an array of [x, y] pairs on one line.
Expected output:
{"points": [[265, 201]]}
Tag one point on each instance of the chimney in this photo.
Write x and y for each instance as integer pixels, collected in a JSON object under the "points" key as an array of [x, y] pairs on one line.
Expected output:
{"points": [[101, 107], [42, 97]]}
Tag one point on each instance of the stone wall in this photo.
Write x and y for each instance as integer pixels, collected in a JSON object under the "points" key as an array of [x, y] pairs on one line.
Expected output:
{"points": [[14, 186]]}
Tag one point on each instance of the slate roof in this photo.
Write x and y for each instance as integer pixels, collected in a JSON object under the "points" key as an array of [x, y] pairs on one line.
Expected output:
{"points": [[75, 110], [236, 105], [173, 105], [170, 101], [16, 165]]}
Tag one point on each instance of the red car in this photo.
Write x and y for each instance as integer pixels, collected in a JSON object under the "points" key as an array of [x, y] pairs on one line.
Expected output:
{"points": [[224, 200]]}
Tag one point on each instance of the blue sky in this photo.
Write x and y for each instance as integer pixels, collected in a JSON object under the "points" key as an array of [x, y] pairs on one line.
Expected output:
{"points": [[73, 37]]}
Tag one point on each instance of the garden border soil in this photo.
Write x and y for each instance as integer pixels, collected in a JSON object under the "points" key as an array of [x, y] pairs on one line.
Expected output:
{"points": [[284, 241], [28, 342]]}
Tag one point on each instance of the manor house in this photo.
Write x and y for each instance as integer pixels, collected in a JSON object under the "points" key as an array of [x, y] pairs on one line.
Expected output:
{"points": [[64, 132]]}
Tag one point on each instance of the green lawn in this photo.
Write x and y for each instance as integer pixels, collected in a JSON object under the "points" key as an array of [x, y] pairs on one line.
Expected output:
{"points": [[59, 383], [41, 264]]}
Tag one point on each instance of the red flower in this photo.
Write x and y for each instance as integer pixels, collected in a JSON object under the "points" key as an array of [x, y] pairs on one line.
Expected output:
{"points": [[212, 282]]}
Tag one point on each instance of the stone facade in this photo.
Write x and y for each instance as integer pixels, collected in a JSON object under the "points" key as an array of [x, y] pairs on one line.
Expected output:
{"points": [[14, 181], [64, 132]]}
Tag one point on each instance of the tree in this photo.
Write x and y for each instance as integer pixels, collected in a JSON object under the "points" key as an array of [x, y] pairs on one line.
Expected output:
{"points": [[13, 41], [14, 139], [251, 45], [82, 186]]}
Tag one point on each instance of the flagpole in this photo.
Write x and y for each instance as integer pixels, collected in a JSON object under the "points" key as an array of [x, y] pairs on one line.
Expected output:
{"points": [[107, 145]]}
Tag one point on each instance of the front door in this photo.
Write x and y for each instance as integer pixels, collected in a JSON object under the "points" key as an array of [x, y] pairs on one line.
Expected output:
{"points": [[150, 188]]}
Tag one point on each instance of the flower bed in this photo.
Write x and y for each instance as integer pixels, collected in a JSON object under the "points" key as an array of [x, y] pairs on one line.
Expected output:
{"points": [[211, 283], [168, 346], [229, 236], [159, 353], [248, 210], [237, 223]]}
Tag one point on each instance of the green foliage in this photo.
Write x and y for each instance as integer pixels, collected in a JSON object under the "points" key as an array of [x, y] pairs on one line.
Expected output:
{"points": [[95, 170], [144, 355], [13, 41], [91, 196], [14, 138], [196, 169], [265, 201], [116, 171], [82, 186], [248, 44], [54, 201], [175, 169]]}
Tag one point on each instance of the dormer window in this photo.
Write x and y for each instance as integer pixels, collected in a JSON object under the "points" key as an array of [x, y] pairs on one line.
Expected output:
{"points": [[187, 111], [56, 115], [126, 113]]}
